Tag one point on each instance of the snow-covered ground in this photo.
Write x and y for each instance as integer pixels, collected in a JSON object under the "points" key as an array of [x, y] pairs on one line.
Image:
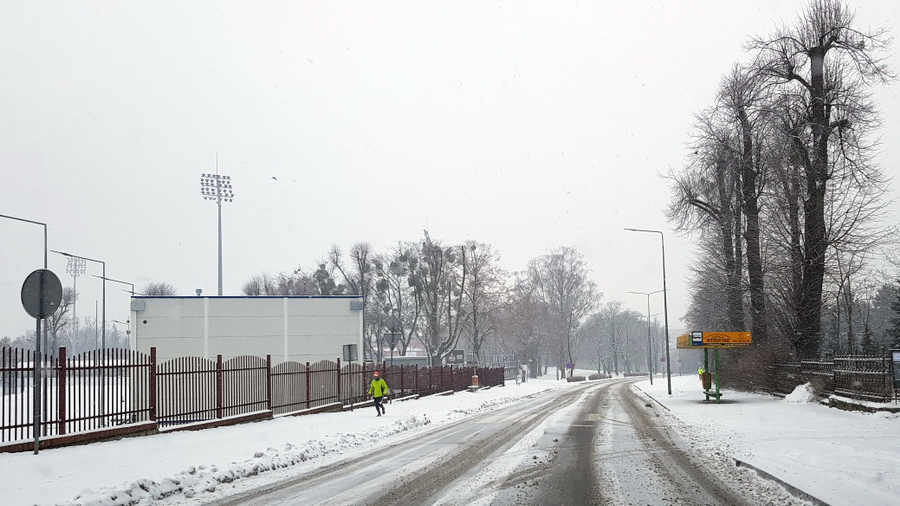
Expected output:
{"points": [[838, 457], [184, 465], [835, 456]]}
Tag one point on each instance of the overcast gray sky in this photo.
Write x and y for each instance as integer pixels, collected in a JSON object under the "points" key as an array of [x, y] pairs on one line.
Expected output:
{"points": [[526, 125]]}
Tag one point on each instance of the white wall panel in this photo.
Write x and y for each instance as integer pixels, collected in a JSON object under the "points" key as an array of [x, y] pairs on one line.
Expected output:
{"points": [[313, 329]]}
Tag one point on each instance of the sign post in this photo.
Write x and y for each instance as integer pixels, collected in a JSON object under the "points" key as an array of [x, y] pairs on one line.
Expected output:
{"points": [[393, 325], [41, 295], [895, 368]]}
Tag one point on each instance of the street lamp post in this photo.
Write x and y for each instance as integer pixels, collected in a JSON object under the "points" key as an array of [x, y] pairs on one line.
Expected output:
{"points": [[128, 333], [218, 188], [37, 347], [103, 264], [665, 300], [649, 339], [37, 336]]}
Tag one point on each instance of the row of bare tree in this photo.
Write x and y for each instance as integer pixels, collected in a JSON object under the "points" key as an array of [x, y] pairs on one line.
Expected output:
{"points": [[618, 340], [454, 297], [781, 186]]}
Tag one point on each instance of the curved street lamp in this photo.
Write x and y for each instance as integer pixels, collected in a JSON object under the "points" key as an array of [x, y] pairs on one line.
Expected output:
{"points": [[665, 302], [649, 339], [103, 264]]}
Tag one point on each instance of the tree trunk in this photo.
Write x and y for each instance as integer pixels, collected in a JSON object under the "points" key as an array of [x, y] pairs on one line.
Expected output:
{"points": [[751, 235], [729, 223], [815, 244]]}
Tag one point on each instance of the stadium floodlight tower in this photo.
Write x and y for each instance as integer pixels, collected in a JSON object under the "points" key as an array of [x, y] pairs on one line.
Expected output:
{"points": [[217, 188], [75, 267]]}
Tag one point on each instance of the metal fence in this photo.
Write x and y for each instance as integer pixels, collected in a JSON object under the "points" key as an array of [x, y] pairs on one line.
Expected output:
{"points": [[861, 377], [86, 392], [108, 388]]}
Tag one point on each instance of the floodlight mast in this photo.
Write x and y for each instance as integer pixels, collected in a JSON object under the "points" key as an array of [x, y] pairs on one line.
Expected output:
{"points": [[217, 188], [76, 267]]}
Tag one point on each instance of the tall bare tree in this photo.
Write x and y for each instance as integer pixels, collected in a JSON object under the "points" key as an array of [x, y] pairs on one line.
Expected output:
{"points": [[823, 64], [562, 282], [59, 320], [394, 292], [525, 323], [484, 293], [439, 279]]}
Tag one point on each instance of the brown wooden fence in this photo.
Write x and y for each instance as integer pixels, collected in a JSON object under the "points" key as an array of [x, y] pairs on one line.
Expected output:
{"points": [[113, 387]]}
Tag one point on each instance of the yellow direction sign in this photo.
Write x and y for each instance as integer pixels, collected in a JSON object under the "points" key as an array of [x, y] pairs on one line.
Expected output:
{"points": [[701, 339]]}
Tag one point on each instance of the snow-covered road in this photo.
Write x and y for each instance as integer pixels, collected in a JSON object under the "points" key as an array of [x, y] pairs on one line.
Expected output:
{"points": [[590, 443], [839, 457]]}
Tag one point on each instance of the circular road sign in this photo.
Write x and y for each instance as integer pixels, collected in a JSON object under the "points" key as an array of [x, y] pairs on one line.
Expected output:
{"points": [[41, 293]]}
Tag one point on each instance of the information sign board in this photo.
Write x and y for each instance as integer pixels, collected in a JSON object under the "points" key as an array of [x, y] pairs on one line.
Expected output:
{"points": [[712, 339]]}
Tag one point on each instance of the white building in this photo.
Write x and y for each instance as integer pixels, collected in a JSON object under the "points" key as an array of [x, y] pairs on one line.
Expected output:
{"points": [[295, 328]]}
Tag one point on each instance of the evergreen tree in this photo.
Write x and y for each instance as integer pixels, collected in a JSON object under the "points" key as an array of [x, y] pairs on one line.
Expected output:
{"points": [[893, 331]]}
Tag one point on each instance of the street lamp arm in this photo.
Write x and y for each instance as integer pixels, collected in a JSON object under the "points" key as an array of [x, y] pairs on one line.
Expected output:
{"points": [[132, 292], [644, 230], [103, 265], [34, 223], [79, 256]]}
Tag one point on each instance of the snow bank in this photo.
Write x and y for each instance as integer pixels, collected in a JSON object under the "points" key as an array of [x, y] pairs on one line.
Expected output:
{"points": [[803, 394], [198, 479]]}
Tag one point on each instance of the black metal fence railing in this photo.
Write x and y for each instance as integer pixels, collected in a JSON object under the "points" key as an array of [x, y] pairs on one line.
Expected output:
{"points": [[861, 377], [95, 391]]}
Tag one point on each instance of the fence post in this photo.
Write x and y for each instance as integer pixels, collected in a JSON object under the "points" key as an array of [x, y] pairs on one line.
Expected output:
{"points": [[219, 386], [307, 385], [339, 382], [401, 379], [61, 398], [153, 383], [269, 382]]}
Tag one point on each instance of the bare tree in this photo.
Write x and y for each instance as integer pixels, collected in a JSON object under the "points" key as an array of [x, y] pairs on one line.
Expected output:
{"points": [[484, 293], [704, 200], [524, 322], [159, 289], [561, 280], [439, 280], [297, 283], [57, 322], [823, 65], [358, 278], [394, 294]]}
